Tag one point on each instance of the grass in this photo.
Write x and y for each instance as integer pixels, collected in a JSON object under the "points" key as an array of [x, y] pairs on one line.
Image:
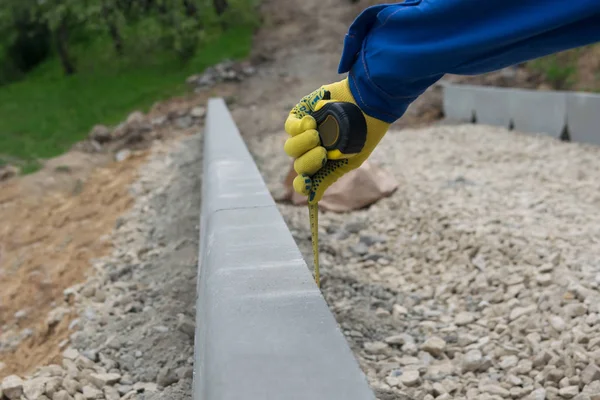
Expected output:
{"points": [[559, 70], [43, 115], [575, 69]]}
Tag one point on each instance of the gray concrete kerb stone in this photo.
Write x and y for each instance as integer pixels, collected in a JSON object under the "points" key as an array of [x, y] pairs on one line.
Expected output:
{"points": [[264, 331], [583, 117], [538, 112]]}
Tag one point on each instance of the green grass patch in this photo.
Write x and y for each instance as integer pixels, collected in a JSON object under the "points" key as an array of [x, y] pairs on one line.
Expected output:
{"points": [[559, 70], [44, 114]]}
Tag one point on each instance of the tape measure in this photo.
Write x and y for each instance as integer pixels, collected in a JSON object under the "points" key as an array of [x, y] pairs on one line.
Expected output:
{"points": [[343, 132]]}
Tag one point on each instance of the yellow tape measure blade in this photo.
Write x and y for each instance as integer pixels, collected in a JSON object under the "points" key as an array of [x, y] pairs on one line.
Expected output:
{"points": [[313, 213]]}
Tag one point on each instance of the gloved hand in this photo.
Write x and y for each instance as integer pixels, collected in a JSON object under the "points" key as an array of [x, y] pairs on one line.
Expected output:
{"points": [[315, 171]]}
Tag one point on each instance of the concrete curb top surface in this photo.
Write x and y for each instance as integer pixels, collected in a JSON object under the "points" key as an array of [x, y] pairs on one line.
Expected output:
{"points": [[263, 329], [552, 113]]}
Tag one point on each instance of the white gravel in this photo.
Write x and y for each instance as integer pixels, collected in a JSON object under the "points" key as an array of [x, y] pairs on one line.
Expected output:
{"points": [[489, 266]]}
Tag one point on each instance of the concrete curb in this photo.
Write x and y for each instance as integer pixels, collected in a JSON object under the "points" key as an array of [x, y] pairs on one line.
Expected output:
{"points": [[263, 329], [551, 113]]}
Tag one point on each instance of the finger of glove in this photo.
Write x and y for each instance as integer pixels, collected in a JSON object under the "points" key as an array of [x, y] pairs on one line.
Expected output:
{"points": [[302, 184], [302, 143], [311, 161], [295, 126]]}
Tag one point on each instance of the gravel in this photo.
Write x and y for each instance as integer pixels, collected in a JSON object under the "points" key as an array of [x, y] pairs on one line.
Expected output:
{"points": [[135, 335], [491, 246]]}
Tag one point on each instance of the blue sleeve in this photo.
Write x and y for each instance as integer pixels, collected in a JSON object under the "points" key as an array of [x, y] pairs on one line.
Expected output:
{"points": [[394, 52]]}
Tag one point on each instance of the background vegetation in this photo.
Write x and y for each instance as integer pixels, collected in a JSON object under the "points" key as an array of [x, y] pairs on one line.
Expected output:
{"points": [[66, 65]]}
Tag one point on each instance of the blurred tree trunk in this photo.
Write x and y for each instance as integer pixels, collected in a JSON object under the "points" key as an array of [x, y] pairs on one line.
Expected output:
{"points": [[190, 8], [116, 37], [220, 6], [62, 45], [113, 29]]}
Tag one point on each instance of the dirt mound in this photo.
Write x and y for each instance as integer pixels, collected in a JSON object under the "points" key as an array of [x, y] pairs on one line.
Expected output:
{"points": [[47, 239]]}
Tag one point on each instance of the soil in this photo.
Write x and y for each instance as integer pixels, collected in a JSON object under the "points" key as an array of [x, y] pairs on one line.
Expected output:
{"points": [[47, 240]]}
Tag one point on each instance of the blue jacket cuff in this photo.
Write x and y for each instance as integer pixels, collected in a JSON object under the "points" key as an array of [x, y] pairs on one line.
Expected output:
{"points": [[372, 100]]}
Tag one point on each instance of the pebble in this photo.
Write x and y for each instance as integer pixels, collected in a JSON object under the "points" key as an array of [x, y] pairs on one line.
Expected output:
{"points": [[398, 310], [110, 393], [161, 329], [555, 375], [574, 310], [495, 390], [121, 155], [91, 393], [34, 388], [166, 376], [53, 385], [472, 361], [541, 358], [514, 380], [12, 387], [375, 347], [198, 112], [434, 346], [101, 380], [518, 312], [184, 122], [355, 226], [569, 392], [464, 318], [399, 339], [544, 279], [508, 362], [62, 395], [71, 386], [70, 354], [537, 394], [184, 373], [186, 325], [410, 378], [557, 323], [590, 373]]}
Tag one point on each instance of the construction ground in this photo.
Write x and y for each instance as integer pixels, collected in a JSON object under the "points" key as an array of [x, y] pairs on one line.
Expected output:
{"points": [[476, 279]]}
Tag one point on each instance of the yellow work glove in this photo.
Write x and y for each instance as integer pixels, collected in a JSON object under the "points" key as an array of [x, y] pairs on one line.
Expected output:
{"points": [[315, 168]]}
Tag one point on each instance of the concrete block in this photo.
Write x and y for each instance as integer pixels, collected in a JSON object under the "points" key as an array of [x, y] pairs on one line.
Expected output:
{"points": [[264, 330], [538, 112], [583, 117], [458, 102], [492, 106]]}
